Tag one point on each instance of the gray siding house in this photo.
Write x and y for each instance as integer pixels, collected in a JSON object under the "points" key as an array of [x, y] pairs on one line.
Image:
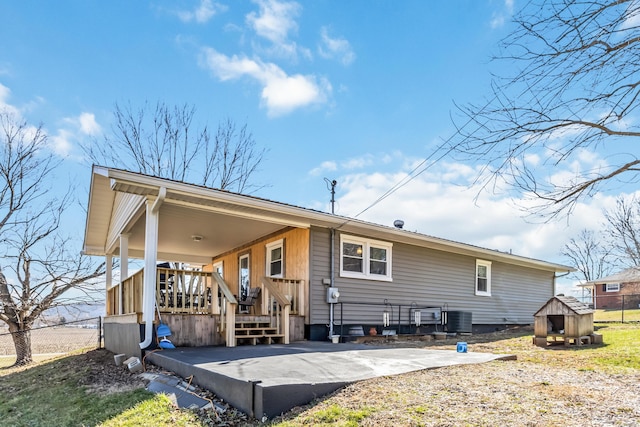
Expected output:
{"points": [[317, 274]]}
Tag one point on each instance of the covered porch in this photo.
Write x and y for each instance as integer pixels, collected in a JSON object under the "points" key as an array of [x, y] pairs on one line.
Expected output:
{"points": [[201, 310], [179, 230]]}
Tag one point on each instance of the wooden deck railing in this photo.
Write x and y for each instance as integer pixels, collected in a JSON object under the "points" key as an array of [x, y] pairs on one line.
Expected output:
{"points": [[295, 291], [131, 296], [197, 292], [177, 291], [278, 306], [186, 292], [182, 292]]}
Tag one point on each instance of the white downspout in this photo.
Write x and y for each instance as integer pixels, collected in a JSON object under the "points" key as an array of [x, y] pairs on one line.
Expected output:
{"points": [[150, 261]]}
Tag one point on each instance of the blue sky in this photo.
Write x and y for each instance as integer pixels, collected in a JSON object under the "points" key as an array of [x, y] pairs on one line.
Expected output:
{"points": [[357, 91]]}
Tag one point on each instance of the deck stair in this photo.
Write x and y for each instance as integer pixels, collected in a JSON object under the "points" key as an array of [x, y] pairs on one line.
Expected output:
{"points": [[256, 330]]}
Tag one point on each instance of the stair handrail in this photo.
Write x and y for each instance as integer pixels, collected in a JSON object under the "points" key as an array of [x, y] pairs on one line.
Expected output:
{"points": [[283, 301], [275, 292]]}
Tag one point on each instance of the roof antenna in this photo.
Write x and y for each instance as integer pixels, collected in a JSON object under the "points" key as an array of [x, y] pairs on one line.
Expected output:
{"points": [[333, 192]]}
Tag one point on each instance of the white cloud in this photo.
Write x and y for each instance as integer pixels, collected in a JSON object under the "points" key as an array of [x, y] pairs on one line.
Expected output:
{"points": [[202, 13], [499, 18], [632, 16], [5, 94], [442, 202], [61, 142], [88, 124], [335, 48], [328, 166], [358, 162], [281, 93], [76, 128], [275, 22]]}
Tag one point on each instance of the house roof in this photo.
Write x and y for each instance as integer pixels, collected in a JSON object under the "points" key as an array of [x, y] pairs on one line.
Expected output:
{"points": [[629, 275], [227, 220], [562, 303]]}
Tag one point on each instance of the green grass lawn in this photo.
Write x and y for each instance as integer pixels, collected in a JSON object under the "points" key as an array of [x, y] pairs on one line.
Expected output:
{"points": [[616, 315], [51, 393]]}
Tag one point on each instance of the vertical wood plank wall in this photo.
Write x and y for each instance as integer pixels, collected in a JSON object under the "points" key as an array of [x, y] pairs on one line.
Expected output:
{"points": [[296, 258]]}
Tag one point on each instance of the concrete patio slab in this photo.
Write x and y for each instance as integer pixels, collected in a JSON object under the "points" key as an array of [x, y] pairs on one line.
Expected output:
{"points": [[269, 380]]}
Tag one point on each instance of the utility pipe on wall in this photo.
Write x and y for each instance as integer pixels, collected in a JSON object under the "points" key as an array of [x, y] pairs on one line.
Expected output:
{"points": [[150, 261], [331, 278]]}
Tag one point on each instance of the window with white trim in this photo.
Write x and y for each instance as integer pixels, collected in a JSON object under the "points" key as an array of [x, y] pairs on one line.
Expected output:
{"points": [[365, 258], [218, 268], [275, 259], [483, 278], [612, 287]]}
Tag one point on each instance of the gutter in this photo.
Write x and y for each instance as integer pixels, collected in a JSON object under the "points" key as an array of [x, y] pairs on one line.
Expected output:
{"points": [[150, 261]]}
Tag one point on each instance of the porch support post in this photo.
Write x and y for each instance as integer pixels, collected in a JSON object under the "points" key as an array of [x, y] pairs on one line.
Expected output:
{"points": [[230, 319], [108, 280], [124, 267], [285, 322], [150, 262]]}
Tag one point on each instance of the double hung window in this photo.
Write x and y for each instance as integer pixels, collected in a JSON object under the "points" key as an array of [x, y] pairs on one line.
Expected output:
{"points": [[275, 259], [365, 258], [483, 278]]}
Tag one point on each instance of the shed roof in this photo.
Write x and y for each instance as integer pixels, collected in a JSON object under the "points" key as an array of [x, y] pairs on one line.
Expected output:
{"points": [[561, 304]]}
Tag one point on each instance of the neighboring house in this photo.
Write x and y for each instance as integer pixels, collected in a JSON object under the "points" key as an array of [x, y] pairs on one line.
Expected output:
{"points": [[620, 290], [319, 274]]}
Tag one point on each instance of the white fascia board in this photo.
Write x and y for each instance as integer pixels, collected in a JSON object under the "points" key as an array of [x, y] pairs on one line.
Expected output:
{"points": [[93, 250]]}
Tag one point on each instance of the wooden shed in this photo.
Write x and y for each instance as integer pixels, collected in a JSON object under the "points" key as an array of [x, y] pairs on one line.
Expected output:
{"points": [[564, 319]]}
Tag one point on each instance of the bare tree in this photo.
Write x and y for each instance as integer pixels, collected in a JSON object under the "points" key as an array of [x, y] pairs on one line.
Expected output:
{"points": [[574, 88], [45, 268], [25, 165], [623, 225], [165, 142], [591, 254], [48, 275]]}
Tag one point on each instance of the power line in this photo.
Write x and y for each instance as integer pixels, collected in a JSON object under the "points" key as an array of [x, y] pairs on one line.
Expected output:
{"points": [[417, 171]]}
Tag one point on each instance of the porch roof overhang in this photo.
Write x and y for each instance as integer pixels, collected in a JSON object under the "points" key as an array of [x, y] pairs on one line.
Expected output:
{"points": [[226, 221], [196, 223]]}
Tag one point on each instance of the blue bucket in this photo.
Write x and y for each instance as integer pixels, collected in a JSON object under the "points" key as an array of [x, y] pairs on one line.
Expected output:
{"points": [[461, 347], [163, 330], [165, 343]]}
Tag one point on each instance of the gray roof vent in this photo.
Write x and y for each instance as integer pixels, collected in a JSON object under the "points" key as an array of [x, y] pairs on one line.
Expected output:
{"points": [[398, 223]]}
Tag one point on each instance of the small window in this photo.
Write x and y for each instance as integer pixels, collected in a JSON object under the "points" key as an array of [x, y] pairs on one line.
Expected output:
{"points": [[483, 278], [244, 276], [364, 258], [275, 259], [612, 287], [217, 267]]}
